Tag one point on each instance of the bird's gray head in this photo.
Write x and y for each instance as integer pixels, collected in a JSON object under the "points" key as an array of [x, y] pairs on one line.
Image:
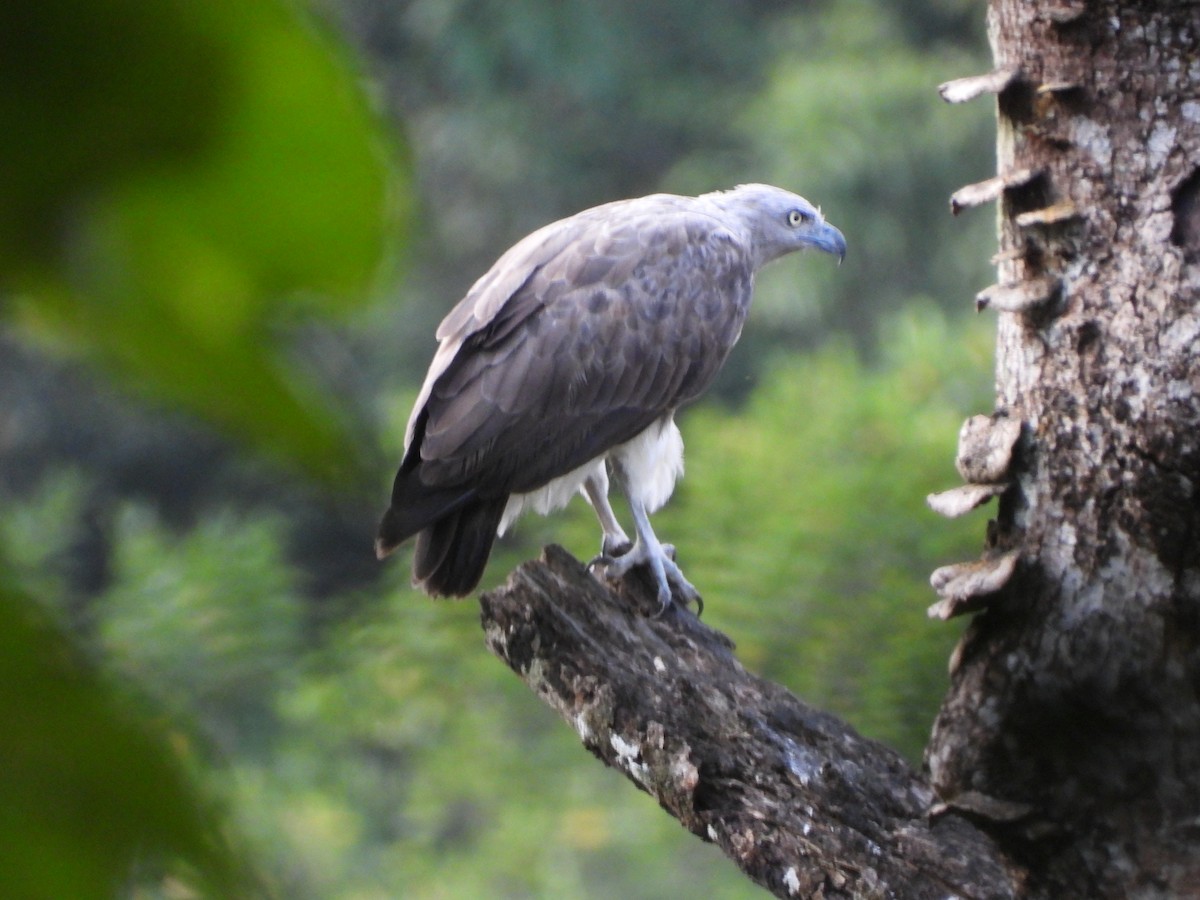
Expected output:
{"points": [[777, 222]]}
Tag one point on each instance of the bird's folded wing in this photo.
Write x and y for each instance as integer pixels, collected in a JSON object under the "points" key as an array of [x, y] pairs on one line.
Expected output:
{"points": [[601, 335]]}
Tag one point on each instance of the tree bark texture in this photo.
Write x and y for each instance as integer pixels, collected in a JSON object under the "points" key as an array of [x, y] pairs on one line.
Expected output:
{"points": [[1065, 761], [1073, 720], [804, 805]]}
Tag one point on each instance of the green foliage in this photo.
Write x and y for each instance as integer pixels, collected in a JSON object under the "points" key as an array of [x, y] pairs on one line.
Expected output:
{"points": [[591, 99], [828, 502], [524, 112], [208, 622], [176, 174], [35, 538], [175, 179]]}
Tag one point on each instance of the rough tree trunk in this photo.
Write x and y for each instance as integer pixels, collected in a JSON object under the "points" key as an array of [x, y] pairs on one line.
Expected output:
{"points": [[1075, 696], [1065, 761]]}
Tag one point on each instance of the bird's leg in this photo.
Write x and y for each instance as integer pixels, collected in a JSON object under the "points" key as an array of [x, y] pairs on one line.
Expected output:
{"points": [[615, 540], [647, 550]]}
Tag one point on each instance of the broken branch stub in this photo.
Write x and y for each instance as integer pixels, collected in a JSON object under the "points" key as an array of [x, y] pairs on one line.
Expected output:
{"points": [[1024, 296], [989, 190], [985, 448], [970, 586], [961, 500], [960, 90]]}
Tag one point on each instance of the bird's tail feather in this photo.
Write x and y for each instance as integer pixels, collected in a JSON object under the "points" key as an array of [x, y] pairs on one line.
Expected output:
{"points": [[451, 553], [413, 509]]}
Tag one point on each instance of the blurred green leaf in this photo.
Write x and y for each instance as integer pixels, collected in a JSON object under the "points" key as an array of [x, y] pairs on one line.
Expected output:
{"points": [[200, 627], [178, 183], [92, 794], [179, 180]]}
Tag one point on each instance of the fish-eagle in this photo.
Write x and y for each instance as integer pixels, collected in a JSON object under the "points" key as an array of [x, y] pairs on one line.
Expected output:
{"points": [[564, 365]]}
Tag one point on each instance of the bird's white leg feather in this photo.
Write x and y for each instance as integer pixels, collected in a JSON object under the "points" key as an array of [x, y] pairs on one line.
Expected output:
{"points": [[595, 489], [648, 551], [553, 495], [649, 465]]}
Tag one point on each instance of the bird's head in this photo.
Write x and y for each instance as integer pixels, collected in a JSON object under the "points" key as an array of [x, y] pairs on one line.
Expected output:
{"points": [[778, 222]]}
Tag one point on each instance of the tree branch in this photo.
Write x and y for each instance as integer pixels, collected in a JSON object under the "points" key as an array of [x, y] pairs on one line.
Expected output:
{"points": [[804, 805]]}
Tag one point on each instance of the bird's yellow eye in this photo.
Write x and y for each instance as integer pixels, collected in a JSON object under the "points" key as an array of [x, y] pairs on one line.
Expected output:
{"points": [[796, 217]]}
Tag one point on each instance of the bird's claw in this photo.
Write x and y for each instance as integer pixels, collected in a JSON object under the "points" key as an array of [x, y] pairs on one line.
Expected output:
{"points": [[667, 574], [689, 597]]}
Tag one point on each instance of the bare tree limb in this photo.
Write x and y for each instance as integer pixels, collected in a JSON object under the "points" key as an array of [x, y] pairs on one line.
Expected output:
{"points": [[804, 805]]}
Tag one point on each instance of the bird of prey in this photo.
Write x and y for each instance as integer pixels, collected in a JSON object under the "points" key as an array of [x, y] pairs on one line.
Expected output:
{"points": [[565, 364]]}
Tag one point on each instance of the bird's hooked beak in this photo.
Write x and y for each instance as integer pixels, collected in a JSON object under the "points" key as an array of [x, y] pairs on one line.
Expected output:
{"points": [[827, 238]]}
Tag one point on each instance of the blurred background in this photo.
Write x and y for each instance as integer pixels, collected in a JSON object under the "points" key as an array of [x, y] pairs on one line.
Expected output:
{"points": [[227, 234]]}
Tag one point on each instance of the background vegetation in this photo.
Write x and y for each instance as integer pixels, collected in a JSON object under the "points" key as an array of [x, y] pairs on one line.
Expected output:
{"points": [[227, 233]]}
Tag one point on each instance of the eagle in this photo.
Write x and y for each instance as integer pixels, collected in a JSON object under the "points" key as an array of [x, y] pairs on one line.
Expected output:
{"points": [[564, 365]]}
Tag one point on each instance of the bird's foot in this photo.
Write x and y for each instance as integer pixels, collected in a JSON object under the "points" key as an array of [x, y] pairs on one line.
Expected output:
{"points": [[611, 546], [667, 574]]}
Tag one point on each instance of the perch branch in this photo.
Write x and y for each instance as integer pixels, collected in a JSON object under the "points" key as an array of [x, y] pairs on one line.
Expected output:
{"points": [[804, 805]]}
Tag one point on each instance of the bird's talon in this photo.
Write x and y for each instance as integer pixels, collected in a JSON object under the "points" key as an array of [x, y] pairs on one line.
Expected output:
{"points": [[689, 596], [673, 589]]}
